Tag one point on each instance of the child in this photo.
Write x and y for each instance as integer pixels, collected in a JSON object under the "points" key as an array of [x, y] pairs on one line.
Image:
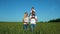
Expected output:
{"points": [[33, 20], [32, 11], [25, 20]]}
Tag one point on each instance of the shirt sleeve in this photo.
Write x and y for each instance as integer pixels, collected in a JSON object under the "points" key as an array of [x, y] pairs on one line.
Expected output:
{"points": [[36, 17], [30, 17], [31, 12]]}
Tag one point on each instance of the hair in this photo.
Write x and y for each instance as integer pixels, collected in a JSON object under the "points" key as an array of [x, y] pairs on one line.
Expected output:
{"points": [[26, 14], [32, 8]]}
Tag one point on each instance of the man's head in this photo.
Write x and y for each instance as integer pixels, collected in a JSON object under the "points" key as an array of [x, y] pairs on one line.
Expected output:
{"points": [[33, 11]]}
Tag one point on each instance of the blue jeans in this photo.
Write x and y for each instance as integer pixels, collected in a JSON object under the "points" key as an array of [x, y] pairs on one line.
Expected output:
{"points": [[33, 26], [25, 27]]}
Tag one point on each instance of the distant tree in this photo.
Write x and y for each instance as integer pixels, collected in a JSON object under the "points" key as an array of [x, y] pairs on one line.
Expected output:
{"points": [[56, 20]]}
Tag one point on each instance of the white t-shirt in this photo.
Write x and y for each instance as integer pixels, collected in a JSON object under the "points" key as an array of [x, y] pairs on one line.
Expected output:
{"points": [[26, 20], [33, 21]]}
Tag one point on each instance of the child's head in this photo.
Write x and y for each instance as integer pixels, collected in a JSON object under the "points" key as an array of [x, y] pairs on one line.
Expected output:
{"points": [[33, 11], [32, 7]]}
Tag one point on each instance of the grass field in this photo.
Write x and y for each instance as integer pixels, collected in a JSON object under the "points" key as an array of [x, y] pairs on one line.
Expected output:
{"points": [[41, 28]]}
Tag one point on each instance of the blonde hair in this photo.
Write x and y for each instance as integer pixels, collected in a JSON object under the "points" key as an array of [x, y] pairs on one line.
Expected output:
{"points": [[25, 15]]}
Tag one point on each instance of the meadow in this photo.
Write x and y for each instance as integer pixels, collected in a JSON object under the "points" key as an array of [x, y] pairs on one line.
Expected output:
{"points": [[41, 28]]}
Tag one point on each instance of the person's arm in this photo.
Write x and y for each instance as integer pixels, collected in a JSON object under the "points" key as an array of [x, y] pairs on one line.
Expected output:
{"points": [[36, 18], [23, 20], [30, 18]]}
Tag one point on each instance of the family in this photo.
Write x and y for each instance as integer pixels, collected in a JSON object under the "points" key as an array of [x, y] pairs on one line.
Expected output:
{"points": [[31, 19]]}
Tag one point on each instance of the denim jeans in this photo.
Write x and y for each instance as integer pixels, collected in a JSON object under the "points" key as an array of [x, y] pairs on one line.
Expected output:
{"points": [[33, 26], [25, 27]]}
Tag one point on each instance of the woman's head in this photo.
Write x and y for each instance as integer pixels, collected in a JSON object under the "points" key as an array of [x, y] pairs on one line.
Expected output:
{"points": [[26, 14]]}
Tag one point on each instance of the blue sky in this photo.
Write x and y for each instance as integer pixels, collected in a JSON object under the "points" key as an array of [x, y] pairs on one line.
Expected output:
{"points": [[13, 10]]}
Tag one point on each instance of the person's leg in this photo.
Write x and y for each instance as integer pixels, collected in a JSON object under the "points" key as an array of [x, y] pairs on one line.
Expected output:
{"points": [[32, 27], [25, 27], [28, 26]]}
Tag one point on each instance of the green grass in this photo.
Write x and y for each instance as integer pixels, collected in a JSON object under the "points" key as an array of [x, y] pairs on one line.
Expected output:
{"points": [[41, 28]]}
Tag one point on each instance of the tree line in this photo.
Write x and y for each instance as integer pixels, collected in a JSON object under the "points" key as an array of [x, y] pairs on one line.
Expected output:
{"points": [[54, 20]]}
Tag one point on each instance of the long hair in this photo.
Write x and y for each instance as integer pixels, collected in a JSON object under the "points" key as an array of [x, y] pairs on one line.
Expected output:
{"points": [[26, 14]]}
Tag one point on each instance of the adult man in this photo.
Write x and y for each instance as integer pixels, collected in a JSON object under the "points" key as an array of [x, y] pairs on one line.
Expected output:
{"points": [[33, 20]]}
